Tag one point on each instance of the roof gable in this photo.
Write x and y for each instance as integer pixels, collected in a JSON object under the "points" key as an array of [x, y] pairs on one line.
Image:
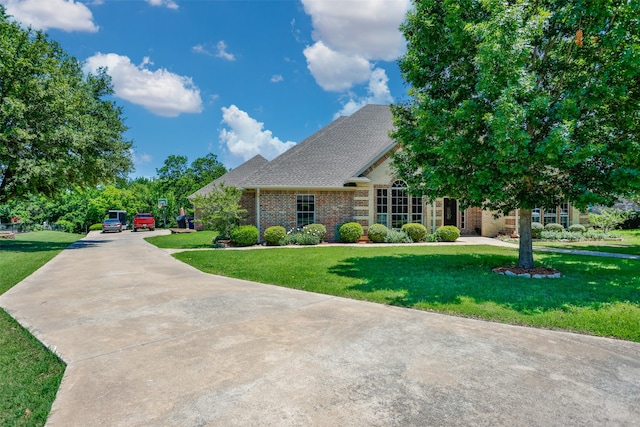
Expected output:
{"points": [[235, 177]]}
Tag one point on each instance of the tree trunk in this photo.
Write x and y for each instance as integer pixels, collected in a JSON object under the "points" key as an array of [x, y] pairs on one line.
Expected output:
{"points": [[525, 256]]}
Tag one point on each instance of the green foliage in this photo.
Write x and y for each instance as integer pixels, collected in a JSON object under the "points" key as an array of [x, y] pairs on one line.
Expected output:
{"points": [[58, 126], [417, 232], [304, 237], [245, 235], [448, 233], [377, 233], [561, 235], [577, 228], [536, 230], [64, 225], [608, 219], [274, 235], [397, 236], [318, 230], [509, 110], [220, 210], [95, 227], [553, 226], [350, 232]]}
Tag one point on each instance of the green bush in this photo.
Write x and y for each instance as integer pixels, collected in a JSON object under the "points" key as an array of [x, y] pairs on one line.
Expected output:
{"points": [[318, 230], [417, 232], [397, 236], [448, 233], [561, 235], [350, 232], [577, 228], [536, 230], [303, 237], [95, 227], [66, 226], [244, 235], [377, 233], [274, 236], [554, 227]]}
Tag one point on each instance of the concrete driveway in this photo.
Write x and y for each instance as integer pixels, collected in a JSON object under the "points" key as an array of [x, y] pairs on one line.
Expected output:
{"points": [[149, 341]]}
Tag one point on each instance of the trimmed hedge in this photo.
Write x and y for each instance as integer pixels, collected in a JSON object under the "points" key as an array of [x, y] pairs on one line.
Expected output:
{"points": [[577, 228], [417, 232], [448, 233], [536, 230], [377, 233], [95, 227], [350, 232], [245, 235], [554, 227], [317, 230], [275, 235]]}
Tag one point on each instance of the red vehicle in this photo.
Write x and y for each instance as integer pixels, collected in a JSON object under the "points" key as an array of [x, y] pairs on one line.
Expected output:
{"points": [[144, 221]]}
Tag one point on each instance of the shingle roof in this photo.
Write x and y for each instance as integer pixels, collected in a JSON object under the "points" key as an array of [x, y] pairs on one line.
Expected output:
{"points": [[235, 177], [329, 158]]}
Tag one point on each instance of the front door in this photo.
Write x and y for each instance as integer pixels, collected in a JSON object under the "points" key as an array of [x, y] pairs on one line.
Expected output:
{"points": [[451, 212]]}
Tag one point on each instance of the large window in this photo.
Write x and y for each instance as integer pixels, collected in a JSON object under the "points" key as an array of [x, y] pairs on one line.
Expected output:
{"points": [[399, 205], [559, 214], [305, 210], [416, 209], [382, 206]]}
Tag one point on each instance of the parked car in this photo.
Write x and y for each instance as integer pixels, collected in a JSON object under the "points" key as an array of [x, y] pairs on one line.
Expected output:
{"points": [[144, 221], [111, 224]]}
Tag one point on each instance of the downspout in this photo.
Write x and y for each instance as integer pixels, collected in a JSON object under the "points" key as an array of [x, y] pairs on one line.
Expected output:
{"points": [[433, 216]]}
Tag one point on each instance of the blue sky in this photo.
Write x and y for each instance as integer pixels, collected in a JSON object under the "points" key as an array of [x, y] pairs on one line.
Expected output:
{"points": [[235, 78]]}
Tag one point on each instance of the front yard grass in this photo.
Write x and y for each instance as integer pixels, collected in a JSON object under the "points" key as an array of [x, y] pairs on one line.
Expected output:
{"points": [[200, 239], [29, 373], [597, 296]]}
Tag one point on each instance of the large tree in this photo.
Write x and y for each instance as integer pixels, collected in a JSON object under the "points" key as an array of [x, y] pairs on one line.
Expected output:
{"points": [[521, 104], [57, 126]]}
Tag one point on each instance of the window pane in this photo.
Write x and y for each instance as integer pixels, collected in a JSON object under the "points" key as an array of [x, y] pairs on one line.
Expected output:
{"points": [[305, 210]]}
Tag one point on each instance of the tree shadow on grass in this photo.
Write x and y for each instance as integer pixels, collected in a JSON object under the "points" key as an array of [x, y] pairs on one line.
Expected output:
{"points": [[28, 246], [432, 280]]}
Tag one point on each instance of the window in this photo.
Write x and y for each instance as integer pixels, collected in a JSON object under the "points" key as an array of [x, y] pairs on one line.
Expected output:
{"points": [[382, 206], [463, 219], [564, 215], [558, 214], [399, 205], [550, 216], [416, 209], [305, 210]]}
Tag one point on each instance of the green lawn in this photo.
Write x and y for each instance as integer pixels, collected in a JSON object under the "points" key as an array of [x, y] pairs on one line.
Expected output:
{"points": [[201, 239], [29, 373], [630, 244], [598, 296]]}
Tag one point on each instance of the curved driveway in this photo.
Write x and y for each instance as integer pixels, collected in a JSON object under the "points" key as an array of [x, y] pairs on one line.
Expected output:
{"points": [[149, 341]]}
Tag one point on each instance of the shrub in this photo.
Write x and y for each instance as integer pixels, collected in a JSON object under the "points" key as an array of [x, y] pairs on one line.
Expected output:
{"points": [[554, 227], [433, 237], [302, 238], [350, 232], [377, 233], [608, 219], [417, 232], [274, 236], [95, 227], [66, 226], [448, 233], [395, 236], [560, 235], [318, 230], [244, 235], [536, 230], [577, 228]]}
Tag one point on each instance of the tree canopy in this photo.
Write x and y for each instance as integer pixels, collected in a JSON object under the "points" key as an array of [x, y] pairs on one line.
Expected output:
{"points": [[521, 104], [57, 126]]}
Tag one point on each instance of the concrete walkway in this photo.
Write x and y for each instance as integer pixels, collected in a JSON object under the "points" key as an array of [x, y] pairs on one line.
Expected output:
{"points": [[149, 341]]}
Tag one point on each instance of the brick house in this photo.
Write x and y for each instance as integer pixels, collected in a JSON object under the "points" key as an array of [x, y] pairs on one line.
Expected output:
{"points": [[343, 173]]}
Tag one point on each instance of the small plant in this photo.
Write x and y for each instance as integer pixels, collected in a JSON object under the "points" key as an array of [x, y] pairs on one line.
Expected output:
{"points": [[377, 233], [448, 233], [417, 232], [554, 227], [577, 228], [536, 230], [433, 237], [95, 227], [561, 235], [274, 236], [245, 235], [318, 230], [350, 232], [397, 236]]}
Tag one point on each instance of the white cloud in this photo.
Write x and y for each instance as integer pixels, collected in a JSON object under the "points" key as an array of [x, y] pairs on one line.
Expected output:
{"points": [[335, 71], [168, 3], [349, 33], [246, 137], [378, 93], [66, 15], [140, 159], [277, 78], [220, 51], [161, 91]]}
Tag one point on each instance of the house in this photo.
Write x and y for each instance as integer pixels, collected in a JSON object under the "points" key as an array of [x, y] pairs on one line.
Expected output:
{"points": [[343, 173]]}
